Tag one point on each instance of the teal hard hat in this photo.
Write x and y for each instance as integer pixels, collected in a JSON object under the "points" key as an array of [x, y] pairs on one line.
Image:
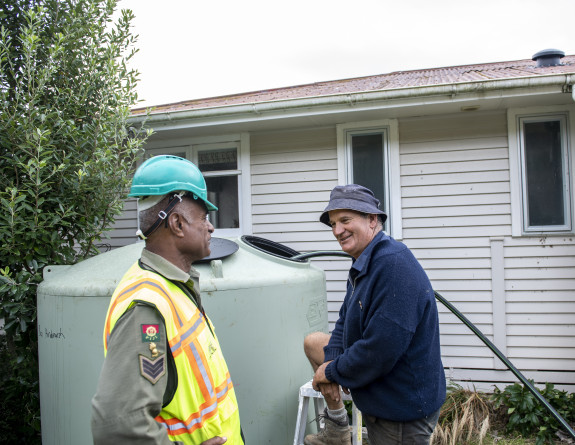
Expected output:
{"points": [[164, 174]]}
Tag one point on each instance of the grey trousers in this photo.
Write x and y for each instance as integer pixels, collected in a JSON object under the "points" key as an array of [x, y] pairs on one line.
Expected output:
{"points": [[386, 432]]}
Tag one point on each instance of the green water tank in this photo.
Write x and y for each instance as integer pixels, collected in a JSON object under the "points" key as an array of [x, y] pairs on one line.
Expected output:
{"points": [[262, 305]]}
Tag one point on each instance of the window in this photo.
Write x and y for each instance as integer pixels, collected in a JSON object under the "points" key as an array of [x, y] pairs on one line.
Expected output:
{"points": [[225, 168], [543, 161], [370, 155], [367, 152], [220, 169]]}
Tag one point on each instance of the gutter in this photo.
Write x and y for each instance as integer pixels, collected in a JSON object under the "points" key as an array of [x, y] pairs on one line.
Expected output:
{"points": [[257, 110]]}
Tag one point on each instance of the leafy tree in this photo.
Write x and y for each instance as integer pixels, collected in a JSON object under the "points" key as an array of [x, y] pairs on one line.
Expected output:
{"points": [[66, 157]]}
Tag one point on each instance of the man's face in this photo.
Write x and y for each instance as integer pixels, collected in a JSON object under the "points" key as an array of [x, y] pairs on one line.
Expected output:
{"points": [[353, 230], [197, 229]]}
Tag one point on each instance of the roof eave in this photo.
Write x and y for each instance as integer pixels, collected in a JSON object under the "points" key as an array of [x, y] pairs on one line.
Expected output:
{"points": [[411, 96]]}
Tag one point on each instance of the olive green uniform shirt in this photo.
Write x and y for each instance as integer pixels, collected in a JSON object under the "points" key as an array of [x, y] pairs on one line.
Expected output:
{"points": [[126, 404]]}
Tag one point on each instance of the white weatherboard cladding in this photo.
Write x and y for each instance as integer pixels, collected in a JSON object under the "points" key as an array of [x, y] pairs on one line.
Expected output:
{"points": [[123, 231], [456, 218], [292, 174], [456, 210]]}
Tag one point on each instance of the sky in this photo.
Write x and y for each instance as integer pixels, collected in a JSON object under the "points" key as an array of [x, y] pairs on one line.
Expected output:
{"points": [[191, 49]]}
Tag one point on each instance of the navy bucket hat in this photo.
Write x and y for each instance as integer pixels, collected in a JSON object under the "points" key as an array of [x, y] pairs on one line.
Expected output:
{"points": [[352, 197]]}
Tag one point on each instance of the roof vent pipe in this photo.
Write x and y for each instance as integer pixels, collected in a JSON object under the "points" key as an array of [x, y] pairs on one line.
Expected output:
{"points": [[548, 57]]}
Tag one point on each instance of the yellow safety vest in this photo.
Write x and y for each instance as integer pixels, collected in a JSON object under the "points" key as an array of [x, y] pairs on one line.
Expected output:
{"points": [[205, 403]]}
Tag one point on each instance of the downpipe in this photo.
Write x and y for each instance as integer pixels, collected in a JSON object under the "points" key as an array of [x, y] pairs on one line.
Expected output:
{"points": [[476, 331]]}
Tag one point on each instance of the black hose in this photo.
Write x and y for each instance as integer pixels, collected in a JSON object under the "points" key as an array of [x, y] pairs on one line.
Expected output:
{"points": [[507, 363], [305, 256], [477, 332]]}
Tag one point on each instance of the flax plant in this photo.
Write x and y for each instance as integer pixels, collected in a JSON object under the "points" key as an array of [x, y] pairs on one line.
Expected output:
{"points": [[465, 418]]}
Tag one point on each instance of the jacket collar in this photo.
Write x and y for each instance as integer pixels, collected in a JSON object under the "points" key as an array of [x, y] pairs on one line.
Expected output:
{"points": [[360, 265]]}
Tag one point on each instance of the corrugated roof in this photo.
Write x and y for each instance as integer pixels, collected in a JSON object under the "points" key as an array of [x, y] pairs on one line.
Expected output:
{"points": [[395, 80]]}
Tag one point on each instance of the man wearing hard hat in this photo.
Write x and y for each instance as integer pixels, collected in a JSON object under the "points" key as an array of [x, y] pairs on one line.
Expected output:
{"points": [[385, 345], [164, 378]]}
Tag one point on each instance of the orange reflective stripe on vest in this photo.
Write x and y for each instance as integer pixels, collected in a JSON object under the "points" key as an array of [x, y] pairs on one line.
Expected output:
{"points": [[196, 420], [126, 296]]}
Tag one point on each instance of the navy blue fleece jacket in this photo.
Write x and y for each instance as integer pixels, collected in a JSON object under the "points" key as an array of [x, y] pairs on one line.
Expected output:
{"points": [[385, 344]]}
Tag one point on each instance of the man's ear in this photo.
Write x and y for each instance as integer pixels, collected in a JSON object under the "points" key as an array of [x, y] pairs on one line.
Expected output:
{"points": [[175, 221], [372, 220]]}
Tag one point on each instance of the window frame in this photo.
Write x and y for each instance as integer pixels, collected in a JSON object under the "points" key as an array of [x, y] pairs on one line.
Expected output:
{"points": [[392, 188], [191, 146], [519, 210]]}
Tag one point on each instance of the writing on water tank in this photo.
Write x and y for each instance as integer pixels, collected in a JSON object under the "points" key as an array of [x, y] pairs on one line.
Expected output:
{"points": [[316, 312], [49, 333]]}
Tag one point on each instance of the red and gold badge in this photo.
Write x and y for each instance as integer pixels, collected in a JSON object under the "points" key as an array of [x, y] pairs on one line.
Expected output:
{"points": [[150, 332]]}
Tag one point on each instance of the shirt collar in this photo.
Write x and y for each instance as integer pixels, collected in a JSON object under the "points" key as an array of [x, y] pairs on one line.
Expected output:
{"points": [[361, 263], [168, 269]]}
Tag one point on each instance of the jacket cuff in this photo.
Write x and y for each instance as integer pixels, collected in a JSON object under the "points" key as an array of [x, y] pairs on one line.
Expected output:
{"points": [[330, 372], [331, 353]]}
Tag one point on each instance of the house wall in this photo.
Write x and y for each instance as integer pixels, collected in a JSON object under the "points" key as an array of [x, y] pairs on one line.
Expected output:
{"points": [[456, 216], [123, 232], [292, 176], [293, 173], [455, 196], [457, 221]]}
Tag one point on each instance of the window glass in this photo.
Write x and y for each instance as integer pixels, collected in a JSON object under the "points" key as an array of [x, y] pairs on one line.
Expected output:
{"points": [[367, 151], [219, 166], [544, 174], [223, 193]]}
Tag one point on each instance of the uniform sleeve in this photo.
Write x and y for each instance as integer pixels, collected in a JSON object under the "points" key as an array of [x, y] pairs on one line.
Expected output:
{"points": [[132, 382]]}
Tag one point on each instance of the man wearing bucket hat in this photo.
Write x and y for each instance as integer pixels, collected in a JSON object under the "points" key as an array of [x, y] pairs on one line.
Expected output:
{"points": [[164, 378], [385, 345]]}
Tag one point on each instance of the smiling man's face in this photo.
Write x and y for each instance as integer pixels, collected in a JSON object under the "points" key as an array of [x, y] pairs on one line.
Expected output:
{"points": [[353, 230]]}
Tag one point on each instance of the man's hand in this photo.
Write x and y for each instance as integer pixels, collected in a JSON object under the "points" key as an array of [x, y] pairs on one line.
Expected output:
{"points": [[215, 441], [319, 376], [329, 390]]}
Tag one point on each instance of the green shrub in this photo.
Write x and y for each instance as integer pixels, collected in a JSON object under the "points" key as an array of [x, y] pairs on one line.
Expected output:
{"points": [[66, 158], [528, 417], [19, 383]]}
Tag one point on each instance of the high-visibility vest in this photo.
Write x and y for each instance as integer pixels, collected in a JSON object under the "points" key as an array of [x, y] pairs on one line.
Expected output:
{"points": [[204, 404]]}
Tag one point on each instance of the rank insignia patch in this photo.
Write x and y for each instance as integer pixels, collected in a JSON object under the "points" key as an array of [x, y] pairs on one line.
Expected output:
{"points": [[152, 370], [150, 332]]}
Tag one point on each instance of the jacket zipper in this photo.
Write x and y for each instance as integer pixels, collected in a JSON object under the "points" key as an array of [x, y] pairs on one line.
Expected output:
{"points": [[353, 284]]}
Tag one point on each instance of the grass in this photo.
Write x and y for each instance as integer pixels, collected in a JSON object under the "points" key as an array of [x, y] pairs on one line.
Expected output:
{"points": [[504, 441], [495, 440]]}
